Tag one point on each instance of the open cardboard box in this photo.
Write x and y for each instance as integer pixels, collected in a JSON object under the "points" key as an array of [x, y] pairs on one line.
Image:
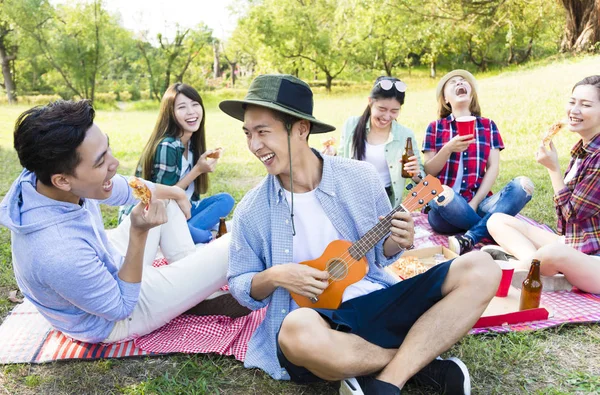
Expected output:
{"points": [[500, 311]]}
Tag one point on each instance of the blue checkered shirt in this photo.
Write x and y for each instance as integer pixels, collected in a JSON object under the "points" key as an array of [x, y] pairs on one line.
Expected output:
{"points": [[351, 196]]}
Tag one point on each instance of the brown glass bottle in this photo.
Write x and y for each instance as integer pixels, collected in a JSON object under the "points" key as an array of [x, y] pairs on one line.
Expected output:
{"points": [[408, 152], [531, 292], [222, 227]]}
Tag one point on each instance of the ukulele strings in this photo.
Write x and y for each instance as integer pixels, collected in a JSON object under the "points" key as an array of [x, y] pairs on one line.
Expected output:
{"points": [[337, 268]]}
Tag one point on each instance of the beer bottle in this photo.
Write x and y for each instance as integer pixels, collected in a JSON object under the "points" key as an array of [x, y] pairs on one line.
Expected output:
{"points": [[222, 227], [408, 152], [531, 292]]}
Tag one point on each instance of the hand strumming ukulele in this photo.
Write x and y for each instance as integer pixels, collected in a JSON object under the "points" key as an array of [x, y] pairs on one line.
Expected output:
{"points": [[346, 262]]}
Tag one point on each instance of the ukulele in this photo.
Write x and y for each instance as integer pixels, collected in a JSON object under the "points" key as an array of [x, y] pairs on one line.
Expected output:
{"points": [[345, 261]]}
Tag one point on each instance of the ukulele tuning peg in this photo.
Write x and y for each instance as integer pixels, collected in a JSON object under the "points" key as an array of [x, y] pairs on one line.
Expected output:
{"points": [[425, 183], [433, 192], [413, 194], [409, 187], [421, 201], [441, 198]]}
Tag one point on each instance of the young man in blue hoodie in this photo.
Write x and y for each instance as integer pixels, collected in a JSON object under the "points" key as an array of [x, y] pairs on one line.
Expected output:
{"points": [[92, 286]]}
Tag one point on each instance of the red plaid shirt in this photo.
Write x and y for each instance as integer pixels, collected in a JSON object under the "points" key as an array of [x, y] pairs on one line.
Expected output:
{"points": [[578, 205], [474, 158]]}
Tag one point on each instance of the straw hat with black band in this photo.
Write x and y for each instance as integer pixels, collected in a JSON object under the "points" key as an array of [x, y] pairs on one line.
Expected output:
{"points": [[283, 93], [439, 91]]}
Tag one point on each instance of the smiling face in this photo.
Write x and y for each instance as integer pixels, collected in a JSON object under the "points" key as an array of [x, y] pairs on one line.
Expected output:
{"points": [[583, 111], [457, 91], [93, 175], [188, 113], [383, 112]]}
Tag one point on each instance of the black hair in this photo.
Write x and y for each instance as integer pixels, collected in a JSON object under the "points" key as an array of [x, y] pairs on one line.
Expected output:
{"points": [[46, 137], [288, 120], [360, 132], [593, 80]]}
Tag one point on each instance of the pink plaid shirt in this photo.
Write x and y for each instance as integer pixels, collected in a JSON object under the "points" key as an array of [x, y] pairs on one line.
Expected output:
{"points": [[578, 205], [474, 159]]}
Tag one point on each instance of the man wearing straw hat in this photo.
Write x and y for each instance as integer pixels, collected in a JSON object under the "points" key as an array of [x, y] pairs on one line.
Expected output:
{"points": [[384, 332]]}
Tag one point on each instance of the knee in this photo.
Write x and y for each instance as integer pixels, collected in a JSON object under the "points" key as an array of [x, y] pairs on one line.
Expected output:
{"points": [[448, 194], [498, 220], [299, 334], [552, 256], [526, 184], [227, 200], [478, 270]]}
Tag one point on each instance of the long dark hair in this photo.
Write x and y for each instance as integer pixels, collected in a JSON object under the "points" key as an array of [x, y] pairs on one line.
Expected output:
{"points": [[360, 132], [167, 126]]}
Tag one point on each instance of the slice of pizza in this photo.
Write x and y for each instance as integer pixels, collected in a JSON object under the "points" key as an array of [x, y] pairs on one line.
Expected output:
{"points": [[140, 190], [329, 142], [552, 131], [216, 154]]}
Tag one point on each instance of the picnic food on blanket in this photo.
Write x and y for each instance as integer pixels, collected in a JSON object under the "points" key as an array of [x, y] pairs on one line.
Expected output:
{"points": [[140, 190], [552, 131], [408, 266], [216, 154], [329, 142]]}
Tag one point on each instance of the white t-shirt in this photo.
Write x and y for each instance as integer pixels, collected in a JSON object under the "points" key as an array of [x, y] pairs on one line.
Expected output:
{"points": [[314, 231], [375, 154], [573, 170], [186, 167]]}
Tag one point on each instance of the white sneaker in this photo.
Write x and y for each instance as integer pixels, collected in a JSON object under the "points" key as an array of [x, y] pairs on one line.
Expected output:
{"points": [[350, 387]]}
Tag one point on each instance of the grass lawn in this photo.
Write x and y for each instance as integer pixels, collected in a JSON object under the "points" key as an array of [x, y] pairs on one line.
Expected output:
{"points": [[522, 102]]}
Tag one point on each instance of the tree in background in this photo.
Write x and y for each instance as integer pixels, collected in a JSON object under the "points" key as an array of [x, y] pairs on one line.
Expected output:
{"points": [[582, 29], [170, 60], [8, 53]]}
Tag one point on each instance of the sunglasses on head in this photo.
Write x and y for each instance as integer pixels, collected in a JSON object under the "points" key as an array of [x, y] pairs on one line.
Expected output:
{"points": [[386, 85]]}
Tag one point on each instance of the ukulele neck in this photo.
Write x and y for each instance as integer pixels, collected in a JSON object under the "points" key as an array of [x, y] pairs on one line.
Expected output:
{"points": [[360, 248]]}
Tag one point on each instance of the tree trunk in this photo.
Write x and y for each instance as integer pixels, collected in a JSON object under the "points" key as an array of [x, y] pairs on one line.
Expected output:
{"points": [[582, 29], [432, 70], [233, 66], [328, 82], [216, 62], [9, 84]]}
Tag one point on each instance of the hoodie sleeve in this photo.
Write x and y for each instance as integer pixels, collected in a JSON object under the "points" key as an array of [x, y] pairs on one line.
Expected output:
{"points": [[121, 193], [86, 282]]}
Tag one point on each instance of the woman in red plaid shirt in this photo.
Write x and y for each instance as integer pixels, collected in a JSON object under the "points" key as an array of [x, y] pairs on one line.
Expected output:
{"points": [[468, 166], [575, 251]]}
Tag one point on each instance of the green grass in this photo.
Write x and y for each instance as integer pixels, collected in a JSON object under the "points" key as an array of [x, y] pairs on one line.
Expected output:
{"points": [[522, 101]]}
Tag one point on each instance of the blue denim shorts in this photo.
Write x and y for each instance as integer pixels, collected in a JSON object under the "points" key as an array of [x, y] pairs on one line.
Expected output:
{"points": [[382, 317]]}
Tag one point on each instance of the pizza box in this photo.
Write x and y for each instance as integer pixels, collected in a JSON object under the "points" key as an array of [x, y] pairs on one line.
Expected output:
{"points": [[428, 256], [500, 311]]}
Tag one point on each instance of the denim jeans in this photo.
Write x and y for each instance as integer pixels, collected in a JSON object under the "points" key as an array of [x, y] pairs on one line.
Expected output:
{"points": [[206, 214], [457, 216]]}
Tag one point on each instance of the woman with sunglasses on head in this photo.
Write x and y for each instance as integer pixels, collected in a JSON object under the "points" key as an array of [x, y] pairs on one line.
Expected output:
{"points": [[376, 137], [575, 251], [468, 166]]}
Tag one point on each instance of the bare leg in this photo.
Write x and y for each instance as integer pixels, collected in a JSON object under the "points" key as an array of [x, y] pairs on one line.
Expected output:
{"points": [[519, 238], [307, 340], [471, 283], [581, 270]]}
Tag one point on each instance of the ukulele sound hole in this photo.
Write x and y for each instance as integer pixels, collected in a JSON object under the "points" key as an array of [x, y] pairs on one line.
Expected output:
{"points": [[337, 268]]}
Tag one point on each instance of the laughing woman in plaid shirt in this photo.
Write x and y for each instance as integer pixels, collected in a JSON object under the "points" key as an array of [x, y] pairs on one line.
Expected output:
{"points": [[176, 154], [467, 166], [575, 252]]}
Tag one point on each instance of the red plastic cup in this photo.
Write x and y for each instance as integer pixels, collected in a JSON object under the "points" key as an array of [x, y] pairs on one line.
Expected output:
{"points": [[507, 274], [465, 125]]}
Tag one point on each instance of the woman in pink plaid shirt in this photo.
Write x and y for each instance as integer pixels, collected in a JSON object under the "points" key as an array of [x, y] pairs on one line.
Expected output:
{"points": [[468, 166], [573, 255]]}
